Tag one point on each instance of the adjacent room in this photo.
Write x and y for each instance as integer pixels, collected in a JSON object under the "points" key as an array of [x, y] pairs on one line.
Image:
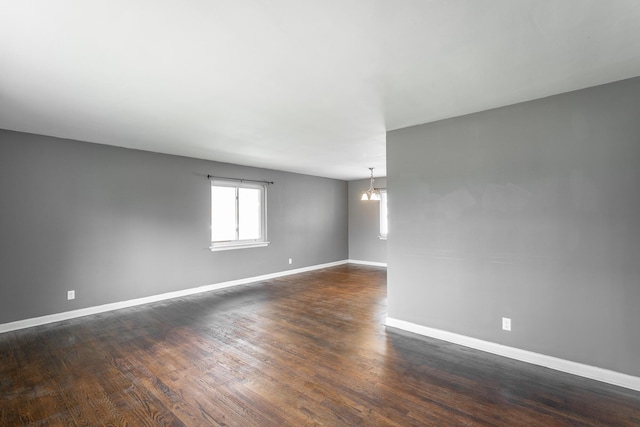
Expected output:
{"points": [[320, 213]]}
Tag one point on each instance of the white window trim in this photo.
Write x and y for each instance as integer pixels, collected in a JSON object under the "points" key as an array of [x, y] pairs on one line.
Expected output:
{"points": [[242, 244], [224, 246]]}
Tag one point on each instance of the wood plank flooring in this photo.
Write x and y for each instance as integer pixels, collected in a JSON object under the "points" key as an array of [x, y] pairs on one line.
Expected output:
{"points": [[309, 349]]}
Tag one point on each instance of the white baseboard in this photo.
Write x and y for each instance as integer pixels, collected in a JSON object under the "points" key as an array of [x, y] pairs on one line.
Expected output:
{"points": [[57, 317], [575, 368], [372, 263]]}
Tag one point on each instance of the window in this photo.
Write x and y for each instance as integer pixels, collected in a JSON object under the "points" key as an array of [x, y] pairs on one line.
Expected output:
{"points": [[383, 214], [238, 215]]}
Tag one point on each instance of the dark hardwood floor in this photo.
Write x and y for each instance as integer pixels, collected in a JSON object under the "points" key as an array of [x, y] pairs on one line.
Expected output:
{"points": [[309, 349]]}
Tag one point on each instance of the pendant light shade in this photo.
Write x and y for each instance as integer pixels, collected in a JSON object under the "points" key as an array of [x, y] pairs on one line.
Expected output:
{"points": [[372, 193]]}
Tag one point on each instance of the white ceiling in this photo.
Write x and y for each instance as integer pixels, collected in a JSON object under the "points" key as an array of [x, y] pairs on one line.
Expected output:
{"points": [[301, 86]]}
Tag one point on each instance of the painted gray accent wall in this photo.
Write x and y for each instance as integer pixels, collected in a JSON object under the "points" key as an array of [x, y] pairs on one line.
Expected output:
{"points": [[530, 212], [364, 224], [116, 224]]}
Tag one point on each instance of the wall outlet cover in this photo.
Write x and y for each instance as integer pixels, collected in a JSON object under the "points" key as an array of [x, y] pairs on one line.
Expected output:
{"points": [[506, 324]]}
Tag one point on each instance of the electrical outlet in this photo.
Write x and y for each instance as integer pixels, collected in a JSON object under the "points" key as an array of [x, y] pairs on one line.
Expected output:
{"points": [[290, 261], [71, 295], [506, 324]]}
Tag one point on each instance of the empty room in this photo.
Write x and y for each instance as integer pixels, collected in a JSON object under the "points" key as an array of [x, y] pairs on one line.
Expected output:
{"points": [[288, 213]]}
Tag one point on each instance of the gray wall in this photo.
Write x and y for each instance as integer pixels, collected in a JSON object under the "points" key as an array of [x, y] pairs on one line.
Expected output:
{"points": [[117, 224], [364, 224], [531, 212]]}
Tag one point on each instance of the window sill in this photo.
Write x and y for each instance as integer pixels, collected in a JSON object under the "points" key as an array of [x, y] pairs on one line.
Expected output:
{"points": [[382, 237], [233, 246]]}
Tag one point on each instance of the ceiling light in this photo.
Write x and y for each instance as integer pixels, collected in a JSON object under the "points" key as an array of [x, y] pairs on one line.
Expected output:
{"points": [[372, 193]]}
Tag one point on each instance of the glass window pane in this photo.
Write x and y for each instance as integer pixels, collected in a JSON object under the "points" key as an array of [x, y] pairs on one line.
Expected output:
{"points": [[383, 214], [223, 214], [250, 213]]}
